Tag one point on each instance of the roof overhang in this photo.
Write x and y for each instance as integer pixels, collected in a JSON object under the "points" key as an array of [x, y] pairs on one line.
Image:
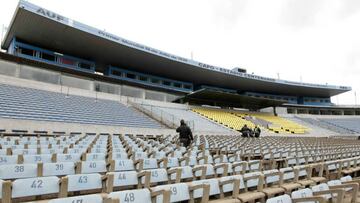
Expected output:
{"points": [[47, 29], [321, 107], [226, 99]]}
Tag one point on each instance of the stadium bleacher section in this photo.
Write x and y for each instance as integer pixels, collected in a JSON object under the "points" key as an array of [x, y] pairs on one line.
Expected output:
{"points": [[349, 124], [224, 117], [343, 126], [135, 156], [175, 112], [237, 119], [97, 168], [279, 124], [26, 103]]}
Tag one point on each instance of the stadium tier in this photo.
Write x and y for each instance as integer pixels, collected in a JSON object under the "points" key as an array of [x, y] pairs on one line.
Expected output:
{"points": [[224, 117], [195, 121], [33, 104], [236, 120], [279, 124], [90, 117], [103, 168]]}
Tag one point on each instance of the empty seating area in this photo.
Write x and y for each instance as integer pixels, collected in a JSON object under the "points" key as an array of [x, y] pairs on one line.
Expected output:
{"points": [[224, 117], [237, 119], [351, 125], [197, 122], [279, 124], [342, 126], [33, 104], [129, 168]]}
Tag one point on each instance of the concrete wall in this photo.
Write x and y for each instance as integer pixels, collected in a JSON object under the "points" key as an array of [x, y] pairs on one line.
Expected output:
{"points": [[38, 78], [31, 125]]}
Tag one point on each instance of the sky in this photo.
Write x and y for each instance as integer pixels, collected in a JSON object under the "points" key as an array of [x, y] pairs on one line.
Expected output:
{"points": [[315, 41]]}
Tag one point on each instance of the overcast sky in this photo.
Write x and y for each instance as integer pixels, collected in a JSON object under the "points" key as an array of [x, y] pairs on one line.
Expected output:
{"points": [[315, 41]]}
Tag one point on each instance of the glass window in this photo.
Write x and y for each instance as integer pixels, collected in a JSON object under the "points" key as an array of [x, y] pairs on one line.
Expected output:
{"points": [[178, 85], [167, 83], [143, 78], [67, 61], [187, 87], [130, 75], [154, 80], [48, 57], [26, 51], [116, 72], [84, 66]]}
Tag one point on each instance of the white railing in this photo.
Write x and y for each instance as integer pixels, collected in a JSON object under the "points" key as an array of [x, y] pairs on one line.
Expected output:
{"points": [[162, 116]]}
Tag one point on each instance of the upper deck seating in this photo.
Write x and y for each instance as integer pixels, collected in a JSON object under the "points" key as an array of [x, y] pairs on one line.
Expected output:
{"points": [[33, 104]]}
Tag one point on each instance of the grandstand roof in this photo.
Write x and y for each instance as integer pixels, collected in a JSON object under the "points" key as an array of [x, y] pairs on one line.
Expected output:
{"points": [[49, 30], [220, 98]]}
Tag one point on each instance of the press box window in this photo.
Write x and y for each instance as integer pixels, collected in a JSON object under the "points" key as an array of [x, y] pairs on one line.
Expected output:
{"points": [[130, 75], [116, 73], [187, 87], [178, 85], [26, 51], [67, 61], [142, 78], [84, 66], [167, 83], [154, 80], [48, 57]]}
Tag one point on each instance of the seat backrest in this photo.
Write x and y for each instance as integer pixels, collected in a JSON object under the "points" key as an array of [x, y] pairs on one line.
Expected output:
{"points": [[95, 157], [289, 173], [123, 165], [133, 196], [172, 162], [272, 176], [240, 167], [24, 151], [214, 187], [254, 165], [307, 192], [80, 182], [119, 155], [68, 157], [186, 172], [93, 167], [12, 171], [8, 159], [321, 187], [230, 187], [149, 163], [251, 183], [178, 192], [280, 199], [97, 198], [346, 179], [157, 176], [334, 182], [125, 178], [36, 158], [209, 170], [35, 186], [58, 169]]}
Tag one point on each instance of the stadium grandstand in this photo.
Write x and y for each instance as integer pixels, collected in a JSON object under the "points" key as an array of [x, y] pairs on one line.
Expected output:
{"points": [[88, 116]]}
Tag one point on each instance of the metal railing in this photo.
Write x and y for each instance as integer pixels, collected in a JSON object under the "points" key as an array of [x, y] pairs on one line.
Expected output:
{"points": [[162, 116]]}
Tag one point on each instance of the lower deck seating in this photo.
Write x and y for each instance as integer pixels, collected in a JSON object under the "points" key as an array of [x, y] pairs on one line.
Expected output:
{"points": [[222, 168]]}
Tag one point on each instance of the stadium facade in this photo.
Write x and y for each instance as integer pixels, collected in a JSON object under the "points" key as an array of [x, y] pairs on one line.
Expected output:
{"points": [[85, 57]]}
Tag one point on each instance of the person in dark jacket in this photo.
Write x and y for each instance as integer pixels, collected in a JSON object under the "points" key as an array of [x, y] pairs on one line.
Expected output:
{"points": [[245, 131], [185, 134], [257, 131]]}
